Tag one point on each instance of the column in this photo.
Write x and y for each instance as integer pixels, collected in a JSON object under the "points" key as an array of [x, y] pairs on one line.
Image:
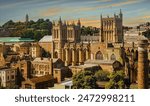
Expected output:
{"points": [[142, 64], [73, 57], [67, 57], [87, 54], [59, 50], [63, 55], [80, 57]]}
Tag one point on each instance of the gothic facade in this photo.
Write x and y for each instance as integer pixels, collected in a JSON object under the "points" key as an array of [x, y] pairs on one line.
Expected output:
{"points": [[111, 28], [66, 43]]}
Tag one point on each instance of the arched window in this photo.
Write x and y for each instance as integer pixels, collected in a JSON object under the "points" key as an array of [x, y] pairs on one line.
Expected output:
{"points": [[113, 57], [99, 55], [55, 55]]}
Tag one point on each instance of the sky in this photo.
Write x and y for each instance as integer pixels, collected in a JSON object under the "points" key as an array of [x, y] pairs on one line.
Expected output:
{"points": [[88, 11]]}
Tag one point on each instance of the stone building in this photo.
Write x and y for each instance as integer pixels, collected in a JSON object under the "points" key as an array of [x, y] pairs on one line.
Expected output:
{"points": [[48, 66], [112, 28], [7, 77], [41, 66], [2, 60], [35, 50], [66, 43], [46, 43], [24, 49], [43, 82]]}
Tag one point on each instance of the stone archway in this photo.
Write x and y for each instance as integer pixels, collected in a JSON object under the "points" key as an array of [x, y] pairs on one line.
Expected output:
{"points": [[99, 56]]}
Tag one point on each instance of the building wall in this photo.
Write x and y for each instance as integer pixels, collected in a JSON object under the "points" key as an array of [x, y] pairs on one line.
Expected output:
{"points": [[35, 51], [2, 60], [111, 28], [8, 77], [41, 68], [47, 46]]}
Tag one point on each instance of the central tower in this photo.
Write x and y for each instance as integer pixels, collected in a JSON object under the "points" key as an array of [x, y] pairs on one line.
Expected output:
{"points": [[112, 28]]}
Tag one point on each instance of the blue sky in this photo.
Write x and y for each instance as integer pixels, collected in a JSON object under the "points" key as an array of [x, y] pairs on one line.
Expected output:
{"points": [[134, 11]]}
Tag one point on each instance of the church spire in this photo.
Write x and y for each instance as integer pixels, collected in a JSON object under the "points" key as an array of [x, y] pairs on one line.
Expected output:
{"points": [[27, 18], [121, 14]]}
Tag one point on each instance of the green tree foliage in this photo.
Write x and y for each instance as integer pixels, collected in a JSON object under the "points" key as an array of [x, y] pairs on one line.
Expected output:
{"points": [[35, 30], [9, 24], [102, 75], [89, 30], [84, 80], [116, 80]]}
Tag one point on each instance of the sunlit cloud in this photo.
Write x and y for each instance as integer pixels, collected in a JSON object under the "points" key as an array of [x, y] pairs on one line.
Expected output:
{"points": [[134, 11], [51, 12]]}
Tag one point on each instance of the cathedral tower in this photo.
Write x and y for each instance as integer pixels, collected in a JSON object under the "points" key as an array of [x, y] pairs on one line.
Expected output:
{"points": [[59, 38], [111, 29]]}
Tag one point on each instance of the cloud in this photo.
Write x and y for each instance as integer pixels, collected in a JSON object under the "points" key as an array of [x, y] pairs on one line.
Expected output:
{"points": [[110, 5], [146, 17], [137, 20], [51, 12], [125, 3]]}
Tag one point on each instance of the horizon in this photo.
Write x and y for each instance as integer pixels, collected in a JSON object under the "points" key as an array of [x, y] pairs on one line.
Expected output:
{"points": [[135, 12]]}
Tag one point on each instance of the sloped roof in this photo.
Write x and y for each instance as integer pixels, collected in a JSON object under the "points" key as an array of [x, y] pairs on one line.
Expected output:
{"points": [[42, 79], [46, 38]]}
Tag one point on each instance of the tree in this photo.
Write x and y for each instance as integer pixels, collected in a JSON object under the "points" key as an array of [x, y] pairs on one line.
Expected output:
{"points": [[84, 80], [116, 80], [9, 24], [102, 75]]}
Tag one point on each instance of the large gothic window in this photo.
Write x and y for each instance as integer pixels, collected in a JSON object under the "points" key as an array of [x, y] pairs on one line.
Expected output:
{"points": [[99, 55], [113, 57]]}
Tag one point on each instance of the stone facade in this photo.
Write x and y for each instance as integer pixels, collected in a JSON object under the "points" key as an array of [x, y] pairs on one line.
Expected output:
{"points": [[35, 50], [42, 82], [111, 28], [66, 43], [7, 77]]}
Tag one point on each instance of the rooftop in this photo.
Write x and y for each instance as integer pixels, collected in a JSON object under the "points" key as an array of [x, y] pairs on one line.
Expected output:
{"points": [[46, 38], [41, 79], [15, 39], [85, 66], [109, 62]]}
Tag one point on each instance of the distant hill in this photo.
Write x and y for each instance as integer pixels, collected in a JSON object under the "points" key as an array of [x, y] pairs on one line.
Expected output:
{"points": [[35, 30]]}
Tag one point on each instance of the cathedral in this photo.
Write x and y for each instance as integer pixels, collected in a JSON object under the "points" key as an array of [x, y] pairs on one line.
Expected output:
{"points": [[66, 43], [68, 46], [74, 50]]}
